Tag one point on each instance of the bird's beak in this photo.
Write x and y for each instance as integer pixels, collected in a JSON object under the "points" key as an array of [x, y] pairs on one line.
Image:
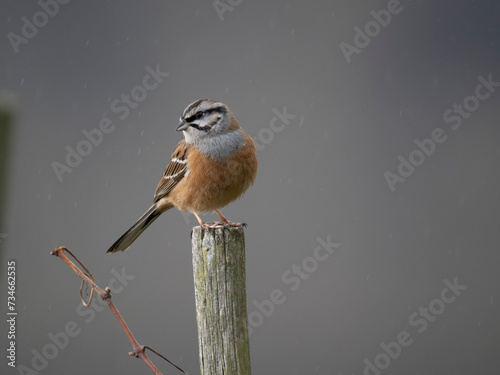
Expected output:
{"points": [[182, 126]]}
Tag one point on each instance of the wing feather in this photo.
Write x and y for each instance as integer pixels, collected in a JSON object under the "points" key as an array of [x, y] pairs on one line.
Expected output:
{"points": [[174, 172]]}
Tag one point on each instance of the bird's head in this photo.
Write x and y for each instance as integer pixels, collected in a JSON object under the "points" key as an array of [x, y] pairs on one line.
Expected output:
{"points": [[206, 118]]}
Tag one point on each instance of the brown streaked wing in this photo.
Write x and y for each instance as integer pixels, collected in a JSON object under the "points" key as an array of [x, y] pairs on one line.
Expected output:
{"points": [[174, 172]]}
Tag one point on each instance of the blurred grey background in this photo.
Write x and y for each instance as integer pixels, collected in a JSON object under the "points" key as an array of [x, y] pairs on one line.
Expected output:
{"points": [[408, 280]]}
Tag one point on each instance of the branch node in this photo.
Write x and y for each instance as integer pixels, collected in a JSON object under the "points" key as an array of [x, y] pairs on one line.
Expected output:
{"points": [[107, 294], [137, 351], [58, 250]]}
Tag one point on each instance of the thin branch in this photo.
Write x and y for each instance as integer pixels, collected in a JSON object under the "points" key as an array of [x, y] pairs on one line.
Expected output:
{"points": [[138, 350], [166, 359]]}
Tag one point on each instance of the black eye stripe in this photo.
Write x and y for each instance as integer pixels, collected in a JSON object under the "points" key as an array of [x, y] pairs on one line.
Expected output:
{"points": [[201, 114], [198, 127]]}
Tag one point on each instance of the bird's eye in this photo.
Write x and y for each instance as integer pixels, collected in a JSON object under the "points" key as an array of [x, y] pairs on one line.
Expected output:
{"points": [[199, 115]]}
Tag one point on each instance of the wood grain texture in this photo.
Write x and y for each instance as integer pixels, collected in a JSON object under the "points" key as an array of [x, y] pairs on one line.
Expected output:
{"points": [[221, 302]]}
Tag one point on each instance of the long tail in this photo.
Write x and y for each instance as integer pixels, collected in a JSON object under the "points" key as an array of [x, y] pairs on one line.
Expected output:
{"points": [[124, 242]]}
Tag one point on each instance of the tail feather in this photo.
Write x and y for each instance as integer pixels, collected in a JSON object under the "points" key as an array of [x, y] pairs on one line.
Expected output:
{"points": [[124, 242]]}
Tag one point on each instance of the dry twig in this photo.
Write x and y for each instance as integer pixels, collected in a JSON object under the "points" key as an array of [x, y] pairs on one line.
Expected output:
{"points": [[138, 350]]}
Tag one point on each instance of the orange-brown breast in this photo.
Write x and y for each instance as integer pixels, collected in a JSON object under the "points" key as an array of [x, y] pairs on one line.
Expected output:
{"points": [[212, 184]]}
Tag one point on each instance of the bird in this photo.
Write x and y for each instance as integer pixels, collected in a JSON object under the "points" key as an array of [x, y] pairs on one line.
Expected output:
{"points": [[212, 165]]}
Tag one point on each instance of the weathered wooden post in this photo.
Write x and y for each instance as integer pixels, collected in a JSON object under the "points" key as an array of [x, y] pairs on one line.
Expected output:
{"points": [[221, 300]]}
